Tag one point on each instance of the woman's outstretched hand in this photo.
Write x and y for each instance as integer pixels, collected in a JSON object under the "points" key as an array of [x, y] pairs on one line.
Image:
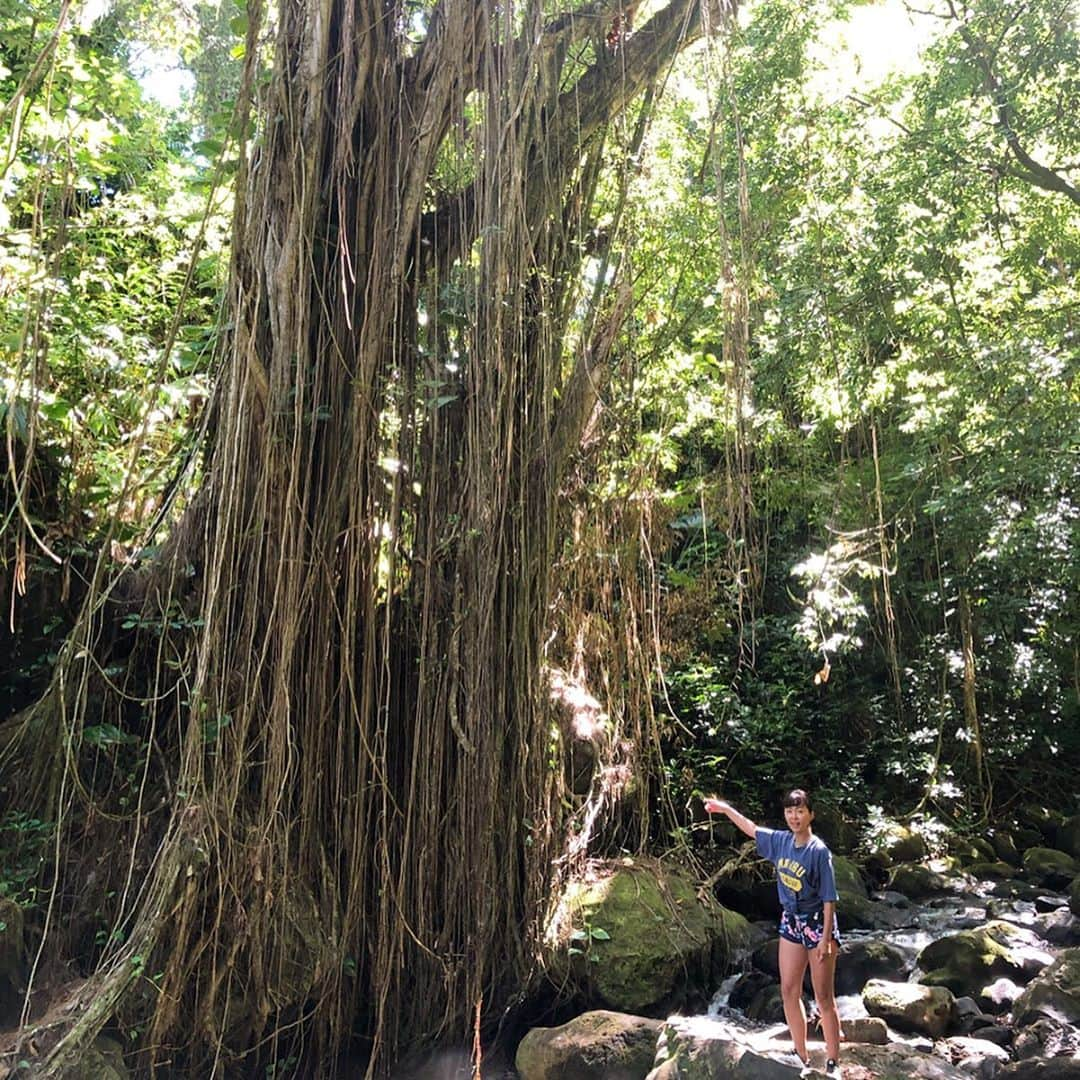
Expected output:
{"points": [[714, 805]]}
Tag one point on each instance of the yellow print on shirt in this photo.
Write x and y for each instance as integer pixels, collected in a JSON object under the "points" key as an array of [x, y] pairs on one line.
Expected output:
{"points": [[791, 873]]}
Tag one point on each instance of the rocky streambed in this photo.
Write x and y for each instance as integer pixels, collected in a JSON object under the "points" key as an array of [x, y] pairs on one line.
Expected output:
{"points": [[957, 967]]}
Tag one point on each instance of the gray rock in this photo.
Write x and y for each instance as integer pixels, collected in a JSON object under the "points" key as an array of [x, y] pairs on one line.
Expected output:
{"points": [[991, 871], [694, 1048], [975, 1056], [1055, 993], [1045, 903], [597, 1045], [1016, 890], [1046, 1038], [767, 1006], [998, 1034], [1074, 896], [861, 961], [910, 1006], [1035, 1069], [1059, 927]]}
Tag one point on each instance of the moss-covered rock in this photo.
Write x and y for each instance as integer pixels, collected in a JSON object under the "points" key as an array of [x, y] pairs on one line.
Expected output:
{"points": [[916, 881], [849, 879], [967, 961], [971, 849], [1049, 868], [637, 937], [1074, 896], [991, 871], [902, 844], [597, 1045], [1068, 836], [1055, 993], [910, 1006], [1005, 847]]}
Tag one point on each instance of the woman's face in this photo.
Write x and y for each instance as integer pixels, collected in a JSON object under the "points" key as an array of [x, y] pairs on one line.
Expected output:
{"points": [[798, 818]]}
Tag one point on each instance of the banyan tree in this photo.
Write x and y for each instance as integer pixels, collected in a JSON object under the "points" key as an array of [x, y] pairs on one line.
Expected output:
{"points": [[346, 821]]}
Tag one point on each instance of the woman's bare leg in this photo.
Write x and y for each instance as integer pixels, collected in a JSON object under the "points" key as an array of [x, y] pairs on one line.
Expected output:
{"points": [[822, 972], [793, 959]]}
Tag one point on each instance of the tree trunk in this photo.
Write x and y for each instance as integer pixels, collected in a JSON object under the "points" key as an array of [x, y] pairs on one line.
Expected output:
{"points": [[362, 821]]}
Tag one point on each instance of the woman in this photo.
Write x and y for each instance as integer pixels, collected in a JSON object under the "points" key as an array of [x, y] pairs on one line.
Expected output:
{"points": [[808, 933]]}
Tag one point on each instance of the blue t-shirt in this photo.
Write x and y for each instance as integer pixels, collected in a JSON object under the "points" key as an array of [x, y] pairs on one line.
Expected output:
{"points": [[804, 875]]}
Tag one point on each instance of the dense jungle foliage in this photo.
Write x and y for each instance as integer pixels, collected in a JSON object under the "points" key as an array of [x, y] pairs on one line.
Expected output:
{"points": [[838, 449]]}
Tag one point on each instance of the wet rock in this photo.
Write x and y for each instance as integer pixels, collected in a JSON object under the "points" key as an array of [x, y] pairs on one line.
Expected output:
{"points": [[999, 996], [597, 1045], [633, 935], [967, 961], [967, 1016], [1055, 993], [1059, 927], [1045, 903], [1026, 836], [916, 881], [1049, 868], [910, 1006], [767, 1006], [975, 1056], [1074, 896], [861, 961], [1054, 1069], [894, 899], [998, 1034], [747, 988], [859, 913], [699, 1049], [1016, 890], [1046, 1038]]}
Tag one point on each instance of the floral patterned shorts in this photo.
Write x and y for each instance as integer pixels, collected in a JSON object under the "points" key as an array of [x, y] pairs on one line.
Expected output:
{"points": [[805, 928]]}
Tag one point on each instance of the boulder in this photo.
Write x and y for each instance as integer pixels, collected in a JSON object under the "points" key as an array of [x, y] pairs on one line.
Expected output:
{"points": [[849, 879], [748, 987], [871, 1030], [998, 996], [767, 1006], [1005, 848], [901, 844], [916, 881], [1068, 836], [1049, 868], [991, 871], [634, 935], [1038, 1069], [910, 1006], [971, 849], [1016, 890], [861, 961], [1060, 927], [1055, 993], [1046, 1038], [597, 1045], [1074, 896], [968, 1017], [967, 961], [975, 1056], [696, 1048], [998, 1034]]}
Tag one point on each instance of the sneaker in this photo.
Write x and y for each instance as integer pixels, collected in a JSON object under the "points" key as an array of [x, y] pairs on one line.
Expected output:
{"points": [[832, 1069], [807, 1070]]}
